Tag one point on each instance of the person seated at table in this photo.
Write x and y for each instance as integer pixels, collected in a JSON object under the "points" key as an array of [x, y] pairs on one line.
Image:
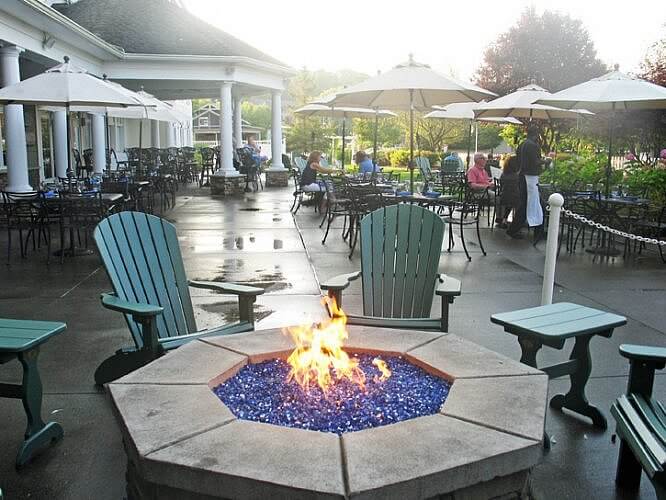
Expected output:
{"points": [[309, 183], [510, 194], [365, 164], [256, 150], [453, 163], [477, 178]]}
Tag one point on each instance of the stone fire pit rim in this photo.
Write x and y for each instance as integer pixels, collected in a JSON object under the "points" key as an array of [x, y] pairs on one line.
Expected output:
{"points": [[481, 379]]}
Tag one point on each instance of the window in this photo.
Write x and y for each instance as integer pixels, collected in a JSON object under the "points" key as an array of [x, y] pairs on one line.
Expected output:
{"points": [[203, 121]]}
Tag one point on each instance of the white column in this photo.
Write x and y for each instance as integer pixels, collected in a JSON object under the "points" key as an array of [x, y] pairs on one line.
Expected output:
{"points": [[276, 131], [171, 141], [238, 122], [226, 132], [99, 144], [17, 152], [60, 142], [154, 133]]}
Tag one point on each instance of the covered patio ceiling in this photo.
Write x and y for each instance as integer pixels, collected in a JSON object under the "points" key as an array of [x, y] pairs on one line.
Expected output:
{"points": [[188, 89]]}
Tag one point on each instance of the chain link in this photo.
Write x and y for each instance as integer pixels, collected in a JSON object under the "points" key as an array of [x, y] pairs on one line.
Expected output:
{"points": [[597, 225]]}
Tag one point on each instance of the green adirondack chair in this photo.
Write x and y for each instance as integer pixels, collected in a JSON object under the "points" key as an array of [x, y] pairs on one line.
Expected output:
{"points": [[641, 422], [400, 250], [145, 266]]}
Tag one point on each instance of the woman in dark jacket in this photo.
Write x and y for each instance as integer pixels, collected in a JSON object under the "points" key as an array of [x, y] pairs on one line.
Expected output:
{"points": [[510, 190]]}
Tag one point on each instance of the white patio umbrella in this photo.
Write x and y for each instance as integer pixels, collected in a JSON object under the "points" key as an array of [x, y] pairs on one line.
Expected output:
{"points": [[317, 109], [614, 91], [521, 104], [465, 111], [151, 108], [67, 85], [409, 86]]}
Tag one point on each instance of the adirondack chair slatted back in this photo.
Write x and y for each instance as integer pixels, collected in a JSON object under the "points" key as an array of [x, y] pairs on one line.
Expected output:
{"points": [[400, 249], [143, 260], [424, 167], [300, 164]]}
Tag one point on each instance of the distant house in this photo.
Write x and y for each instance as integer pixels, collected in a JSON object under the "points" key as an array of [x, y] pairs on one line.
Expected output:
{"points": [[206, 125]]}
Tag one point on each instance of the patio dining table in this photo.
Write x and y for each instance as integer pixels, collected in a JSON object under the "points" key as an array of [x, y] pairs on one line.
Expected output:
{"points": [[53, 206], [616, 212]]}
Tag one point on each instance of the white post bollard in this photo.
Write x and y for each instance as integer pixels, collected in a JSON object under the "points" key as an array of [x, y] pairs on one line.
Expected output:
{"points": [[555, 201]]}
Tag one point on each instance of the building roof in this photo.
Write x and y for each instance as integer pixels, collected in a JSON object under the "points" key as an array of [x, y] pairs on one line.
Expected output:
{"points": [[157, 27]]}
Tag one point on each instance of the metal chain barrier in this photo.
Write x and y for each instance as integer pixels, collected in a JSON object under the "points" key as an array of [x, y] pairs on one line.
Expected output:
{"points": [[597, 225]]}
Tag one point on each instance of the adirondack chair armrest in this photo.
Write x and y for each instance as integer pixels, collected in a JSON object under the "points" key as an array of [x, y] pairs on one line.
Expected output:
{"points": [[644, 353], [448, 286], [231, 288], [340, 282], [136, 309]]}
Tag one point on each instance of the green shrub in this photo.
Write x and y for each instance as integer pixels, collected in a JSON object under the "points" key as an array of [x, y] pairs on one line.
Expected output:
{"points": [[400, 157], [578, 171], [647, 180]]}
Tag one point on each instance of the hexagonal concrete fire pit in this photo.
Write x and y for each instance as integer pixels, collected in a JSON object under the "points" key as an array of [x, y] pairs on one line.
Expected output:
{"points": [[183, 443]]}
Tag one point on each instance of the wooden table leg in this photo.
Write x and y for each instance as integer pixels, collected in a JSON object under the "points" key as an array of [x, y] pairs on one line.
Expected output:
{"points": [[575, 400], [529, 347], [38, 434]]}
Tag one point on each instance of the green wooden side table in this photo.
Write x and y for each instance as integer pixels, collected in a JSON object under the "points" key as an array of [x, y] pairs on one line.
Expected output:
{"points": [[20, 339], [552, 325]]}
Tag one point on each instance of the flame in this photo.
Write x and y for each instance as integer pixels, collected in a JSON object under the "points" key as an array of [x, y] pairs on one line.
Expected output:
{"points": [[382, 367], [319, 357]]}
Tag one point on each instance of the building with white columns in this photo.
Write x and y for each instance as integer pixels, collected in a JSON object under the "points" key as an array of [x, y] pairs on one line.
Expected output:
{"points": [[152, 44]]}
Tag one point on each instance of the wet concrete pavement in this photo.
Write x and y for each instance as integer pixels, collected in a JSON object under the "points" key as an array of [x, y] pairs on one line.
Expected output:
{"points": [[254, 239]]}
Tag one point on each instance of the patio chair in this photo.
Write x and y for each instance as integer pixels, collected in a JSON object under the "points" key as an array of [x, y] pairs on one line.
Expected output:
{"points": [[78, 213], [652, 226], [451, 165], [641, 422], [423, 165], [400, 250], [207, 166], [337, 205], [467, 213], [143, 261], [22, 212]]}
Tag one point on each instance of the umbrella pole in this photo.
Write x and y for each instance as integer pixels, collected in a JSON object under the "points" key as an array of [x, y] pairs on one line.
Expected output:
{"points": [[411, 140], [140, 142], [108, 141], [344, 123], [374, 148], [469, 144], [476, 137], [69, 142], [610, 149]]}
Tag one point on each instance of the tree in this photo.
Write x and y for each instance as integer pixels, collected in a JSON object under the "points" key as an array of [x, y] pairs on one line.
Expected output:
{"points": [[258, 115], [489, 138], [553, 49], [309, 134], [653, 67], [389, 132]]}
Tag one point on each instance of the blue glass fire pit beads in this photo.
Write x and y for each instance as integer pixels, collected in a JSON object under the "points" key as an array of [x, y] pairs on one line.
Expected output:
{"points": [[260, 392]]}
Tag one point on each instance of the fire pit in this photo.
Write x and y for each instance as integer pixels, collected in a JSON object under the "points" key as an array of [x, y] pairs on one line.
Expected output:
{"points": [[182, 441], [321, 388]]}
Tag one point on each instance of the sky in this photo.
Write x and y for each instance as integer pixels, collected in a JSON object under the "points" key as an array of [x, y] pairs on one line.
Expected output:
{"points": [[371, 35]]}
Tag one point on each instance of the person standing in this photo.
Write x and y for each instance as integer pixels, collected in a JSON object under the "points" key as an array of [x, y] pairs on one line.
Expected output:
{"points": [[530, 210]]}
